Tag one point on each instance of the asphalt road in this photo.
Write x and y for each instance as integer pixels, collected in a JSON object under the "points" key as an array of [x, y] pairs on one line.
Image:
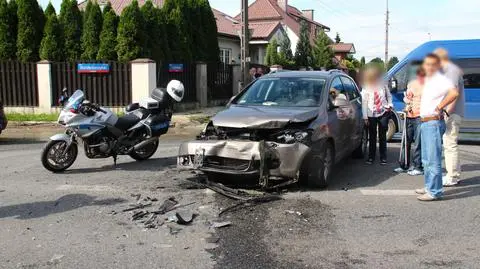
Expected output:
{"points": [[367, 218]]}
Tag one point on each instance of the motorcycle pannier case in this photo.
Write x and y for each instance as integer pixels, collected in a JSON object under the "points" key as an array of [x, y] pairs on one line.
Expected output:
{"points": [[158, 124]]}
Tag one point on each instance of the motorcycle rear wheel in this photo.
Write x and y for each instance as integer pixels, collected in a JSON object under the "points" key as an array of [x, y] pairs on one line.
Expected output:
{"points": [[52, 159], [146, 152]]}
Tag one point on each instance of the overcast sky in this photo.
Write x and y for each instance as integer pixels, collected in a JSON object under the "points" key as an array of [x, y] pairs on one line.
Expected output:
{"points": [[412, 22]]}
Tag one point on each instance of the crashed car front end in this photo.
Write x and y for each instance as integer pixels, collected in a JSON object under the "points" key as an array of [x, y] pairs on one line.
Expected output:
{"points": [[273, 156]]}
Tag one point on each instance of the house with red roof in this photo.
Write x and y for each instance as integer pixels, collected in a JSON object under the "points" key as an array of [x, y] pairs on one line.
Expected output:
{"points": [[342, 50]]}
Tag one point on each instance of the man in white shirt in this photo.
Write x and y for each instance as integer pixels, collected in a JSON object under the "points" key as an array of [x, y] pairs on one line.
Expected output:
{"points": [[438, 93]]}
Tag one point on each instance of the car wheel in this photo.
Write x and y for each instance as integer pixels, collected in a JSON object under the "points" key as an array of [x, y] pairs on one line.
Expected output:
{"points": [[392, 129], [320, 167], [359, 151]]}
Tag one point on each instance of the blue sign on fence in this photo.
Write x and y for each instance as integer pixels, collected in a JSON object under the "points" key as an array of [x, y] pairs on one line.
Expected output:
{"points": [[93, 68], [175, 68]]}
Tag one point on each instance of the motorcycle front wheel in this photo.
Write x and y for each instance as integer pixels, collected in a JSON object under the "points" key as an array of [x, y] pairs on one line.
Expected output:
{"points": [[54, 159], [146, 152]]}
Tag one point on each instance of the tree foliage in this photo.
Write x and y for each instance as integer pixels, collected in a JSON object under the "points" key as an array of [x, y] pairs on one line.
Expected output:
{"points": [[29, 35], [303, 52], [272, 57], [322, 53], [51, 47], [92, 27], [392, 62], [362, 61], [130, 36], [155, 32], [8, 29], [108, 35], [71, 21], [378, 63], [286, 55], [50, 10], [209, 35]]}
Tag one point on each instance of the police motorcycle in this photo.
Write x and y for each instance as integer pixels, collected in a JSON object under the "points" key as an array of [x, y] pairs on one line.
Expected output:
{"points": [[105, 135]]}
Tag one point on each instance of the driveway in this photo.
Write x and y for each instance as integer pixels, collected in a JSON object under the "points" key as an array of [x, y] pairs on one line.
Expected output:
{"points": [[367, 218]]}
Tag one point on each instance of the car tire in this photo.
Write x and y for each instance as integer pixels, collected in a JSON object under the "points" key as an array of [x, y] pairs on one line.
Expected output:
{"points": [[358, 153], [392, 129], [320, 166]]}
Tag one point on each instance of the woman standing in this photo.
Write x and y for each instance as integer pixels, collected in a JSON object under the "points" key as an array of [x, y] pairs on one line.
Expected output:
{"points": [[376, 108]]}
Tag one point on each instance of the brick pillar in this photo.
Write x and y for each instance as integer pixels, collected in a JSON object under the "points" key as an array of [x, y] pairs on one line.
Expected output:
{"points": [[144, 78], [201, 84], [44, 79]]}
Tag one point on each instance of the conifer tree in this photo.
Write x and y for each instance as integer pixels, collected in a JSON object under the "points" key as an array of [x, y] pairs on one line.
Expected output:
{"points": [[51, 47], [322, 52], [29, 33], [130, 36], [303, 52], [8, 28], [71, 21], [108, 36], [92, 27], [50, 10]]}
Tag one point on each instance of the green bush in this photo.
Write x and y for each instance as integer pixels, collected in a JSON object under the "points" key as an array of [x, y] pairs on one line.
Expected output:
{"points": [[51, 47], [130, 36], [71, 21], [92, 27], [8, 29], [30, 26], [108, 36]]}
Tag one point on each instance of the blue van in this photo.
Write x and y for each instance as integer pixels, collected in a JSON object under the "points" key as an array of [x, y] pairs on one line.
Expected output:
{"points": [[464, 53]]}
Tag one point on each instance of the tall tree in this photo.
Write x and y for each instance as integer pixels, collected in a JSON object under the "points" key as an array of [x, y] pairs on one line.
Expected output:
{"points": [[210, 34], [92, 27], [51, 47], [130, 36], [272, 57], [107, 8], [179, 48], [303, 52], [108, 36], [362, 61], [286, 55], [152, 48], [392, 62], [50, 10], [322, 53], [377, 62], [29, 33], [337, 38], [71, 20], [8, 35]]}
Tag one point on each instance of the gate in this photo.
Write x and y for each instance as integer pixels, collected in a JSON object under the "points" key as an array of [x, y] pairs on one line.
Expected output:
{"points": [[107, 89], [18, 83], [185, 73], [220, 81]]}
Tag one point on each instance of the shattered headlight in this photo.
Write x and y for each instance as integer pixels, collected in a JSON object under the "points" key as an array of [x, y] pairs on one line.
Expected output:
{"points": [[292, 136]]}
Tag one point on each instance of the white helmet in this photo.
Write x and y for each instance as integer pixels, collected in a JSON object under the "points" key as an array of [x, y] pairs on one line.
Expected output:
{"points": [[176, 90]]}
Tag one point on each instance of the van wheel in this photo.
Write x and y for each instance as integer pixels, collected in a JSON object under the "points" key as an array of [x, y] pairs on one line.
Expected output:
{"points": [[392, 129], [320, 166]]}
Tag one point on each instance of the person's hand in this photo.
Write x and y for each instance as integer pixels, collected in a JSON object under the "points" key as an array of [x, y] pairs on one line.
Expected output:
{"points": [[366, 122]]}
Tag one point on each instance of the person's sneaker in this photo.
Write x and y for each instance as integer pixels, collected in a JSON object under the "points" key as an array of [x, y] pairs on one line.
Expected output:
{"points": [[415, 172], [449, 182], [420, 191], [369, 161], [427, 197], [400, 170], [383, 162]]}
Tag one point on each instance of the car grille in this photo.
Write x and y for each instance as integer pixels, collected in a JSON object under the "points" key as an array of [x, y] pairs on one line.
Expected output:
{"points": [[229, 163]]}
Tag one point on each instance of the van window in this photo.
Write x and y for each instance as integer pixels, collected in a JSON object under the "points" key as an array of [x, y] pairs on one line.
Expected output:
{"points": [[350, 88], [471, 70]]}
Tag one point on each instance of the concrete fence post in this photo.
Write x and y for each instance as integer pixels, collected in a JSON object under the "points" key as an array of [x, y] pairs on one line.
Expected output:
{"points": [[144, 78], [45, 90], [201, 84], [236, 79]]}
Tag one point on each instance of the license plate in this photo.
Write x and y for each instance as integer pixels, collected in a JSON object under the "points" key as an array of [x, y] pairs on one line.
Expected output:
{"points": [[198, 158]]}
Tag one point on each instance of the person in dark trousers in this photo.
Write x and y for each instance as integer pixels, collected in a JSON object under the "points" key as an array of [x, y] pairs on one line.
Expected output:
{"points": [[376, 108], [413, 166]]}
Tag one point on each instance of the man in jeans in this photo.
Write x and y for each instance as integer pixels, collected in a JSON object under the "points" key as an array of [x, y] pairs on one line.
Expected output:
{"points": [[438, 93], [455, 111]]}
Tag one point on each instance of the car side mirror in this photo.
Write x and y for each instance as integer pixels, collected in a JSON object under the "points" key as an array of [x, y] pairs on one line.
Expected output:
{"points": [[393, 85]]}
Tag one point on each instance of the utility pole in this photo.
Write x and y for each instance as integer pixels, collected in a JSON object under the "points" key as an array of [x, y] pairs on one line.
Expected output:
{"points": [[245, 38], [386, 35]]}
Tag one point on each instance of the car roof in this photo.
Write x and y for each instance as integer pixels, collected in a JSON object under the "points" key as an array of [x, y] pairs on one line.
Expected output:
{"points": [[305, 74]]}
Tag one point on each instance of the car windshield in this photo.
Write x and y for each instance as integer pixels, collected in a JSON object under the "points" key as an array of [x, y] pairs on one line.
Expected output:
{"points": [[75, 100], [284, 92]]}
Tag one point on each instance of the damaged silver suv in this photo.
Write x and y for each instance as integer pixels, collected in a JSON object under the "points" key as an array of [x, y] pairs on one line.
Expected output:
{"points": [[282, 128]]}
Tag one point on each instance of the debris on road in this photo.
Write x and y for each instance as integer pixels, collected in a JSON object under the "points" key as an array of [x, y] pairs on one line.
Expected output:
{"points": [[184, 217], [251, 202], [167, 205], [212, 239], [221, 224]]}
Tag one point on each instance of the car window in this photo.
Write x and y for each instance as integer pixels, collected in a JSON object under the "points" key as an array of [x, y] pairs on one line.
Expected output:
{"points": [[350, 88], [471, 70], [286, 92], [337, 91]]}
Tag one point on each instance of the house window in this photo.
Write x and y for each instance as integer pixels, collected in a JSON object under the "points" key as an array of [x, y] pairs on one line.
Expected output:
{"points": [[225, 56]]}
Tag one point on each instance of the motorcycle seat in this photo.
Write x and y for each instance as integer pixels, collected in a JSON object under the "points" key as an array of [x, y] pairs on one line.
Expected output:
{"points": [[127, 121]]}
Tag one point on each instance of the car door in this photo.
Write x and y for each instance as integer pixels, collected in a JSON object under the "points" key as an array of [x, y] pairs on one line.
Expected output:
{"points": [[338, 119], [471, 79], [355, 115]]}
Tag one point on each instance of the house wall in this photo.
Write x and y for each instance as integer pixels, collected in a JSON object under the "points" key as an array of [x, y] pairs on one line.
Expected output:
{"points": [[232, 44]]}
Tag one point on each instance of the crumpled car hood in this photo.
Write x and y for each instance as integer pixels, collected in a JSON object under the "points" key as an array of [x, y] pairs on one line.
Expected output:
{"points": [[263, 117]]}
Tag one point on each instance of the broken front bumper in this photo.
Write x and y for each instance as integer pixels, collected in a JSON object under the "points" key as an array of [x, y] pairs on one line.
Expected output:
{"points": [[268, 160]]}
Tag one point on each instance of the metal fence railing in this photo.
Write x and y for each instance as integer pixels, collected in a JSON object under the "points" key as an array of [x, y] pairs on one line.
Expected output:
{"points": [[18, 83]]}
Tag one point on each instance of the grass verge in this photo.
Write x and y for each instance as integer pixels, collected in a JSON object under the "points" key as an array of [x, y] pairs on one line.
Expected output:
{"points": [[32, 117]]}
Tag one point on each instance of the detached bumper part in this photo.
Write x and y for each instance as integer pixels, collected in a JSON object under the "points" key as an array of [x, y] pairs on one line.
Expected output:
{"points": [[255, 158]]}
